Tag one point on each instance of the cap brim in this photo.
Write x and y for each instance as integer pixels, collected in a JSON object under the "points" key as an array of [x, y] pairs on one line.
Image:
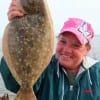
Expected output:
{"points": [[78, 35]]}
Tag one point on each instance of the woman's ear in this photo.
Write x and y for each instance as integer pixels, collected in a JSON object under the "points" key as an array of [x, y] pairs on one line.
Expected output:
{"points": [[88, 48]]}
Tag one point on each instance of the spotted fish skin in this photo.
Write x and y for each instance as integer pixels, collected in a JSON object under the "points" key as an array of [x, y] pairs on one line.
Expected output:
{"points": [[28, 43]]}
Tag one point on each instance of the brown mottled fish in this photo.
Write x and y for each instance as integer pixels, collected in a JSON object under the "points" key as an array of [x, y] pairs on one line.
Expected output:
{"points": [[28, 44]]}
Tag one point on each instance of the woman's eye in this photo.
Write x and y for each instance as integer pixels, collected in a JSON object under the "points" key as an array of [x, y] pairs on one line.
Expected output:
{"points": [[62, 41], [76, 45]]}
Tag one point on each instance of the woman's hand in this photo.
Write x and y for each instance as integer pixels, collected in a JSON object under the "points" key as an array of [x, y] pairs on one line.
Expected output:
{"points": [[15, 10]]}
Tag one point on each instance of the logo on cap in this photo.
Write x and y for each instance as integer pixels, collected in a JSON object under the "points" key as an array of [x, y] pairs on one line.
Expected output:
{"points": [[83, 29]]}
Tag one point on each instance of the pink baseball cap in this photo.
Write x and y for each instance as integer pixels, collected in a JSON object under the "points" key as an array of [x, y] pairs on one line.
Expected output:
{"points": [[80, 28]]}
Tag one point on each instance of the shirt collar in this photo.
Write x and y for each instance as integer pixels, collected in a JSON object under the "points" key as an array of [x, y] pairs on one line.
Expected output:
{"points": [[86, 64]]}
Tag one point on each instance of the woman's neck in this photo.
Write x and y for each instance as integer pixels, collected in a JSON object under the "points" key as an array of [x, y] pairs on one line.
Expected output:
{"points": [[72, 70]]}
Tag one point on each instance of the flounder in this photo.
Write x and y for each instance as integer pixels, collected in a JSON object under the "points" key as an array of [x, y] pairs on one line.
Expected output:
{"points": [[28, 44]]}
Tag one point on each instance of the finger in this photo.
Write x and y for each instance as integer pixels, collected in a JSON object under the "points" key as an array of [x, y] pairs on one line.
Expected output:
{"points": [[13, 8], [13, 3], [14, 14]]}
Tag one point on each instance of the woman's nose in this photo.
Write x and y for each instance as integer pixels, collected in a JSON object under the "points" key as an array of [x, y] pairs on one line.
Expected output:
{"points": [[67, 48]]}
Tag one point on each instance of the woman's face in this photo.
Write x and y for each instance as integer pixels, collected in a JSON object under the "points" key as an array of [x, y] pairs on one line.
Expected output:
{"points": [[70, 52]]}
